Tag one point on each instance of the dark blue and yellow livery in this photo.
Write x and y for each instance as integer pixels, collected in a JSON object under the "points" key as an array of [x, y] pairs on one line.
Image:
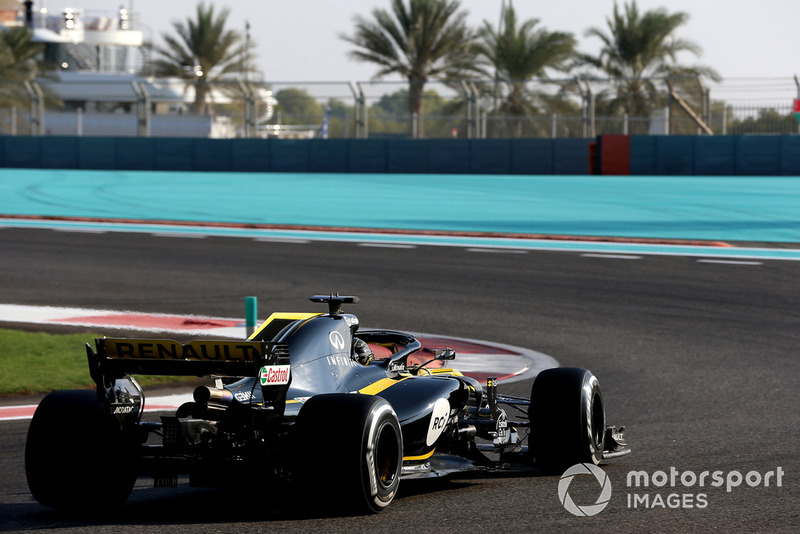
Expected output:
{"points": [[294, 405]]}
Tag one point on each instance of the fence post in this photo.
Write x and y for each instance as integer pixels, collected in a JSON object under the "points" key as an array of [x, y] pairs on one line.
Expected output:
{"points": [[360, 110], [249, 101], [473, 110], [724, 120], [364, 117], [589, 129], [37, 107], [356, 111], [668, 118], [670, 100], [476, 109], [142, 109], [592, 125], [468, 107], [797, 83]]}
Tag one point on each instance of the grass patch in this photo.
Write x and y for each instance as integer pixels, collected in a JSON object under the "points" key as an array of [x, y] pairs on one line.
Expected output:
{"points": [[33, 363]]}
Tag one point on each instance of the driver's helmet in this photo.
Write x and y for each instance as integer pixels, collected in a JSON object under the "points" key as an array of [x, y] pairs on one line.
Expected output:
{"points": [[361, 352]]}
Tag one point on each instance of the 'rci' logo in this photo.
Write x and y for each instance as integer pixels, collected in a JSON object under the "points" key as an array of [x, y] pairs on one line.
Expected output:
{"points": [[602, 500]]}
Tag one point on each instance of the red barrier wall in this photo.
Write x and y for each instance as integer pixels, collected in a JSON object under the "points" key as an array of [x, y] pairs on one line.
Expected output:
{"points": [[615, 154]]}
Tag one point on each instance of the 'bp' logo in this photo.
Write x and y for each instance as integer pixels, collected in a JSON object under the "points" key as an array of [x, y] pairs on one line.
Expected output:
{"points": [[584, 469]]}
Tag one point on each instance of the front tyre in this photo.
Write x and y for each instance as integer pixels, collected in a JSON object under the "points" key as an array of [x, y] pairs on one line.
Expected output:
{"points": [[351, 449], [77, 457], [567, 418]]}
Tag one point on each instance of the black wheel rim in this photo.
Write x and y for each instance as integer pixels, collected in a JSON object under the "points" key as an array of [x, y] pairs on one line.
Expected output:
{"points": [[386, 455]]}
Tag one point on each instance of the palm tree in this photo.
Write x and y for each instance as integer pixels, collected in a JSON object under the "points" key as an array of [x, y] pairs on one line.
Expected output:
{"points": [[639, 49], [21, 61], [420, 40], [203, 52], [18, 55], [519, 53]]}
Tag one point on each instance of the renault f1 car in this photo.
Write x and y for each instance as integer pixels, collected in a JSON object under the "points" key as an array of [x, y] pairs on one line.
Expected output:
{"points": [[293, 404]]}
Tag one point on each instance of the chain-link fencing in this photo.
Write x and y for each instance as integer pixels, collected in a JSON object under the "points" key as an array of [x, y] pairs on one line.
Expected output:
{"points": [[92, 105]]}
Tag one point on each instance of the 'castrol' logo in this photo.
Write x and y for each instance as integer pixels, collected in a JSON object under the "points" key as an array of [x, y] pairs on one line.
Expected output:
{"points": [[275, 375], [439, 417]]}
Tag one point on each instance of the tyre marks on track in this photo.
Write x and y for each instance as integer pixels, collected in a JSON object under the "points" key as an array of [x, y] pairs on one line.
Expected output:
{"points": [[586, 246]]}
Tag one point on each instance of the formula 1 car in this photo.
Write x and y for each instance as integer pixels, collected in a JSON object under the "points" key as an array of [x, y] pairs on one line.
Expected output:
{"points": [[295, 404]]}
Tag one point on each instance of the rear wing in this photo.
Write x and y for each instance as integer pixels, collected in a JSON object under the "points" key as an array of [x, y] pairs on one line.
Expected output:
{"points": [[118, 357]]}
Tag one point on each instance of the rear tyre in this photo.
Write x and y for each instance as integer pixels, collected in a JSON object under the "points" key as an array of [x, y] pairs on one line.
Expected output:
{"points": [[351, 450], [77, 457], [567, 418]]}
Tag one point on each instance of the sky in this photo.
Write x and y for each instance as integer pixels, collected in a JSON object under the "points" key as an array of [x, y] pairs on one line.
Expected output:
{"points": [[750, 43]]}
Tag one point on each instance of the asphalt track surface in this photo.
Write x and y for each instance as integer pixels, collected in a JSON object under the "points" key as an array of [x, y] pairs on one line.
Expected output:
{"points": [[698, 360]]}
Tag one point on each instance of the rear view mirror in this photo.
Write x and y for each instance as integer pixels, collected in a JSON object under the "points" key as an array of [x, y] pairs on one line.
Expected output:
{"points": [[444, 354]]}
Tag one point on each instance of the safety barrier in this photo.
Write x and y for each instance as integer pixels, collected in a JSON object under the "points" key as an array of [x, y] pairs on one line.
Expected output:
{"points": [[773, 155], [453, 156], [735, 155]]}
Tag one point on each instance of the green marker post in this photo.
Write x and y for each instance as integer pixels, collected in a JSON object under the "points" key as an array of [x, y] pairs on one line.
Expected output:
{"points": [[251, 314]]}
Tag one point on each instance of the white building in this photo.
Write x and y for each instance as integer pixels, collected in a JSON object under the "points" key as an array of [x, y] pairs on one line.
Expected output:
{"points": [[98, 56]]}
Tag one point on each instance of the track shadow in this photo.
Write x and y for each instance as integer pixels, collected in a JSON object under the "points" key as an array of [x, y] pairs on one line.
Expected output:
{"points": [[185, 506], [244, 502]]}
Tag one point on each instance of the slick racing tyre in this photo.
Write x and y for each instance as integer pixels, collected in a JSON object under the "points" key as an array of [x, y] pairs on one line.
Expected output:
{"points": [[567, 418], [351, 449], [77, 457]]}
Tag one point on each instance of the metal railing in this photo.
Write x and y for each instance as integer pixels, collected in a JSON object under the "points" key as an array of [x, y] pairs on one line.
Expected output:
{"points": [[466, 110]]}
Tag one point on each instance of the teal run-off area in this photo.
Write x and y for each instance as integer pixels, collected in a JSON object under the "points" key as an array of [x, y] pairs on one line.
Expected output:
{"points": [[726, 208]]}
